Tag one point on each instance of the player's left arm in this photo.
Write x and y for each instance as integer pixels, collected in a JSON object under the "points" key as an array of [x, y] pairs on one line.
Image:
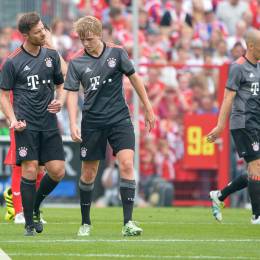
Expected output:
{"points": [[127, 68], [139, 87]]}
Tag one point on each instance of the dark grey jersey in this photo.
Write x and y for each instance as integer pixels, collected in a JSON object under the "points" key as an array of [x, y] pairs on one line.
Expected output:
{"points": [[32, 80], [102, 80], [244, 78]]}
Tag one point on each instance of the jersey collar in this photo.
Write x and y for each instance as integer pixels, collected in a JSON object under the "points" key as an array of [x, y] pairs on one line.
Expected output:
{"points": [[34, 56], [255, 65], [94, 57]]}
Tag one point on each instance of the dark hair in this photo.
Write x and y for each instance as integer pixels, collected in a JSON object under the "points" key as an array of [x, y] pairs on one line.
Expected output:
{"points": [[46, 27], [28, 21]]}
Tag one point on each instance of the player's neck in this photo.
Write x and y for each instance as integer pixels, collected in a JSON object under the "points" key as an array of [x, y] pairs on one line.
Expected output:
{"points": [[32, 49], [251, 58], [97, 52]]}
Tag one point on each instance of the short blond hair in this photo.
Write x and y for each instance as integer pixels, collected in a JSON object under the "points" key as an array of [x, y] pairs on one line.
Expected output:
{"points": [[88, 25]]}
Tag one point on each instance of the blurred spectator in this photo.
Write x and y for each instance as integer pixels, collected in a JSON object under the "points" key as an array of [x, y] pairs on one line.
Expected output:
{"points": [[164, 160], [155, 88], [255, 10], [241, 28], [108, 33], [210, 23], [237, 51], [230, 12], [248, 18], [110, 182], [207, 105], [147, 152], [62, 42], [175, 16], [196, 58], [116, 5], [220, 56]]}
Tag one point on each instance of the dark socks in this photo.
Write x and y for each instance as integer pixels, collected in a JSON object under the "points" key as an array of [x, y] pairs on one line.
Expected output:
{"points": [[28, 192], [238, 183], [127, 192], [86, 190], [47, 185], [254, 193]]}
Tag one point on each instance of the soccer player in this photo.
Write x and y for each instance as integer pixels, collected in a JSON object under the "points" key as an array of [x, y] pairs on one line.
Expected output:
{"points": [[12, 195], [100, 67], [241, 99], [32, 72]]}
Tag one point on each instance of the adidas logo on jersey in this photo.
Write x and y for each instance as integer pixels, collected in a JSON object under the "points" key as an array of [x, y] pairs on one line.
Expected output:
{"points": [[26, 68], [251, 75], [87, 70]]}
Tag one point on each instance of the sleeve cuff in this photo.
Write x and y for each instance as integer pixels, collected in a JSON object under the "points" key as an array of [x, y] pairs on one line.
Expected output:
{"points": [[231, 89], [130, 73]]}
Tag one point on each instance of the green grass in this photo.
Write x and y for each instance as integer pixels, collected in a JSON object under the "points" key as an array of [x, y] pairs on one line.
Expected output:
{"points": [[169, 233]]}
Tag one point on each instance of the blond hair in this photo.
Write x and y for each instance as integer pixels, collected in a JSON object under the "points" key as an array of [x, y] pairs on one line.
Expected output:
{"points": [[88, 25]]}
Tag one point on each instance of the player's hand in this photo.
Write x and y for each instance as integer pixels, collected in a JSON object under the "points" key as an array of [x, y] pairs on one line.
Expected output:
{"points": [[149, 119], [55, 106], [75, 134], [19, 125], [214, 134]]}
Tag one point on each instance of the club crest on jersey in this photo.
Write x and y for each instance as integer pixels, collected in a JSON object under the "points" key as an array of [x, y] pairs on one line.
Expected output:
{"points": [[255, 146], [22, 151], [83, 152], [111, 62], [48, 62]]}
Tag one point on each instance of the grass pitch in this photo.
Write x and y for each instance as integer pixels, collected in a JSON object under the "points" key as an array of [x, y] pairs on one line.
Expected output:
{"points": [[169, 233]]}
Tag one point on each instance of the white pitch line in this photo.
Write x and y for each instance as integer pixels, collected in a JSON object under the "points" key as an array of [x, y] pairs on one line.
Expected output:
{"points": [[3, 255], [132, 240], [135, 256], [144, 223]]}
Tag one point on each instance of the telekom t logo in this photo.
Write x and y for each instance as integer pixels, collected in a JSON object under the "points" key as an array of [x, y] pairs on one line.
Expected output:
{"points": [[94, 82], [255, 88], [33, 81]]}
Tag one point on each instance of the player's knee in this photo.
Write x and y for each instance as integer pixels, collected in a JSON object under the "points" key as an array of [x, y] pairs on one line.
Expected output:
{"points": [[89, 174], [29, 170], [254, 168], [57, 173], [60, 175], [126, 168]]}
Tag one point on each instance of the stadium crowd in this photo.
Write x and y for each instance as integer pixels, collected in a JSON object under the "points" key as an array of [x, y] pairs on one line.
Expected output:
{"points": [[188, 32]]}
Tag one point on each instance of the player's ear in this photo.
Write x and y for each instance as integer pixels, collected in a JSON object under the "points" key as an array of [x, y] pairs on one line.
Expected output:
{"points": [[25, 36]]}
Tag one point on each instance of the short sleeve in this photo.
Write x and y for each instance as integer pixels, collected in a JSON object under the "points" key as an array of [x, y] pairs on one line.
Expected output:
{"points": [[7, 78], [234, 77], [58, 76], [126, 66], [72, 81]]}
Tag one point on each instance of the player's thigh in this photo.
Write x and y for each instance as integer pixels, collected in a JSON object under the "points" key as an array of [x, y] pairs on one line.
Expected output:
{"points": [[51, 147], [93, 145], [121, 137], [247, 145], [27, 146]]}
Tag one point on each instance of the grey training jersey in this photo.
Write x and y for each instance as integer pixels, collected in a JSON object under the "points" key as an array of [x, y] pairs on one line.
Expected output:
{"points": [[102, 80], [244, 78], [32, 80]]}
